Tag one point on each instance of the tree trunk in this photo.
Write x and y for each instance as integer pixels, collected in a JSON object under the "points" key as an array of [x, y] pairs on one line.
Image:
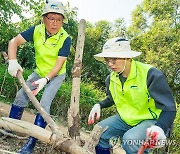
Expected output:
{"points": [[73, 111]]}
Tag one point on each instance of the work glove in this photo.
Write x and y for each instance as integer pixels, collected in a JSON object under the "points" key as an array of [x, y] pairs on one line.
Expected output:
{"points": [[14, 67], [155, 137], [95, 111], [41, 83]]}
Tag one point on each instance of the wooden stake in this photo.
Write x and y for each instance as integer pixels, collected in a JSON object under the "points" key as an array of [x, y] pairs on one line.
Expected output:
{"points": [[73, 111]]}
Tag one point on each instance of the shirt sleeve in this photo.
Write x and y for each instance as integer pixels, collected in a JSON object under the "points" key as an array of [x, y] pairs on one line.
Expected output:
{"points": [[65, 50], [28, 34], [159, 90], [165, 121], [108, 101]]}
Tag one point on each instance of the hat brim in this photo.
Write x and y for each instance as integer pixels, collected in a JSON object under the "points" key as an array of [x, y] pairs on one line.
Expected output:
{"points": [[122, 54]]}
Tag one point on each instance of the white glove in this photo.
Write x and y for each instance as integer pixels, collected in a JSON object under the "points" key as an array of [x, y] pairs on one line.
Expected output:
{"points": [[14, 67], [41, 83], [95, 111], [156, 137]]}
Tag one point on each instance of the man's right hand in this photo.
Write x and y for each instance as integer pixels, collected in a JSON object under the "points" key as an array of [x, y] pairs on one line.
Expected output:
{"points": [[95, 111], [14, 67], [157, 138]]}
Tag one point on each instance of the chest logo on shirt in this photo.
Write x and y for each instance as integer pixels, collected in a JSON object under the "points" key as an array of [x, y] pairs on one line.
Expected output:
{"points": [[134, 87]]}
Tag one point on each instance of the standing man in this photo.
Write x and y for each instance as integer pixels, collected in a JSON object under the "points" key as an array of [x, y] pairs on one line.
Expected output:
{"points": [[142, 97], [52, 47]]}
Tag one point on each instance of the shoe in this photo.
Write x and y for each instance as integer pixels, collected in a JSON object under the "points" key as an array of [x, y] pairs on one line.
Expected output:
{"points": [[100, 150], [16, 112]]}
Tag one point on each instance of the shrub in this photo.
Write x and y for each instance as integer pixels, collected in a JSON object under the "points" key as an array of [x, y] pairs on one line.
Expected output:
{"points": [[9, 85]]}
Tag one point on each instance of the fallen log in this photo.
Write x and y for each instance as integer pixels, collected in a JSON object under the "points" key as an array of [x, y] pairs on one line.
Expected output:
{"points": [[61, 141], [68, 145]]}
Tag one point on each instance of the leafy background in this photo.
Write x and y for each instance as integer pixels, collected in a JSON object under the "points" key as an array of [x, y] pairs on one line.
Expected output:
{"points": [[154, 31]]}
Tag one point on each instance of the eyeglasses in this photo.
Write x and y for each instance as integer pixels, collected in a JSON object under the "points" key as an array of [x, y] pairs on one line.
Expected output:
{"points": [[111, 60], [51, 20]]}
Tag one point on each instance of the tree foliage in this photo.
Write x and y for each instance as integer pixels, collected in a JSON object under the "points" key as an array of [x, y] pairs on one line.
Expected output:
{"points": [[7, 10], [155, 32], [118, 28], [96, 35]]}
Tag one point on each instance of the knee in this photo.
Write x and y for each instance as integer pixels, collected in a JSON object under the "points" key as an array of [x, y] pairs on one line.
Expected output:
{"points": [[131, 143], [130, 136]]}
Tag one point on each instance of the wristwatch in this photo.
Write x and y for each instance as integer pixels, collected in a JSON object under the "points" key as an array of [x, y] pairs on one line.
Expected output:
{"points": [[47, 78]]}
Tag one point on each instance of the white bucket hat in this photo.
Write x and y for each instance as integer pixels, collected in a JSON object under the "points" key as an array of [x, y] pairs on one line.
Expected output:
{"points": [[116, 48], [54, 6]]}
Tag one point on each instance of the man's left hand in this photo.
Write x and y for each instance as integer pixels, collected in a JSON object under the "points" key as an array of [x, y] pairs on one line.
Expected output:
{"points": [[156, 137], [41, 83]]}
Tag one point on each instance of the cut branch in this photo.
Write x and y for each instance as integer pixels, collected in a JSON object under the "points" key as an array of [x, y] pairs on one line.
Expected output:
{"points": [[12, 135], [94, 138]]}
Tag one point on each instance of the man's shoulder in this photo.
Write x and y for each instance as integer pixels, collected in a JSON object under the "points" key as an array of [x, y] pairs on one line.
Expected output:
{"points": [[28, 34]]}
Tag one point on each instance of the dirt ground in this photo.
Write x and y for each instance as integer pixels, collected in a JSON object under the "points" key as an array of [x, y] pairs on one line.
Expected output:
{"points": [[10, 145]]}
